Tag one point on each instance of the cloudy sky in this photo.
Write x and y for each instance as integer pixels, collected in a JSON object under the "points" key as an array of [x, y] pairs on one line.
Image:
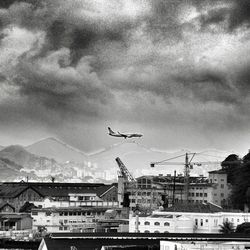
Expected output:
{"points": [[175, 70]]}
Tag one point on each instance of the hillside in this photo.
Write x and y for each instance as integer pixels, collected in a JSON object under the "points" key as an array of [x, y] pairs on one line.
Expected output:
{"points": [[55, 149], [9, 170]]}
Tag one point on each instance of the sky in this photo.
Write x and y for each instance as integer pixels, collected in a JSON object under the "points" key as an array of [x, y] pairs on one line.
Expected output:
{"points": [[175, 70]]}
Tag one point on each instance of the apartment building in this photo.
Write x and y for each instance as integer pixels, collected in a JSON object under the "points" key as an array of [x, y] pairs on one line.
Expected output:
{"points": [[222, 188]]}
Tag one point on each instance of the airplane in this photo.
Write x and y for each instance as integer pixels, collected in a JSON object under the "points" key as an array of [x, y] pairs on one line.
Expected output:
{"points": [[125, 136]]}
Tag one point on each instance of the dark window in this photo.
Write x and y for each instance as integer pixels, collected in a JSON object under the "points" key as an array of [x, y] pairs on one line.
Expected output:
{"points": [[157, 223], [166, 224], [146, 223]]}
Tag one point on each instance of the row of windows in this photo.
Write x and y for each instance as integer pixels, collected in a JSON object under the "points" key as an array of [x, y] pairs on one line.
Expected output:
{"points": [[198, 201], [147, 223], [198, 194], [72, 213]]}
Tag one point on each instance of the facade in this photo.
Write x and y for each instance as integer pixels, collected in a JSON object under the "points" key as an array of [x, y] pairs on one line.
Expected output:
{"points": [[70, 219], [156, 223], [15, 221], [169, 245], [222, 189], [151, 192], [65, 194], [204, 218]]}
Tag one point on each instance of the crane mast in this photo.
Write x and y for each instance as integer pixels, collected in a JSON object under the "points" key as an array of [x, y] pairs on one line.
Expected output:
{"points": [[124, 171]]}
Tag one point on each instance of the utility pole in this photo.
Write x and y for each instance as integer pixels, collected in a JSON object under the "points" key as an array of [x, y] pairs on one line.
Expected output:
{"points": [[186, 178], [173, 201]]}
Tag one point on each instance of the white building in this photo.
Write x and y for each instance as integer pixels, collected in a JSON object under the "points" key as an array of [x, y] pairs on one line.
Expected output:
{"points": [[188, 218], [169, 245], [70, 219], [160, 224]]}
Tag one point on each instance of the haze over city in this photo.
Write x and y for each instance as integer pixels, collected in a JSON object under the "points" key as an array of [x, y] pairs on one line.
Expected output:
{"points": [[175, 71]]}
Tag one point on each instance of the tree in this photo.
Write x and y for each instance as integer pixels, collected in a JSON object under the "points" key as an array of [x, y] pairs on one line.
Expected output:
{"points": [[226, 228], [231, 164]]}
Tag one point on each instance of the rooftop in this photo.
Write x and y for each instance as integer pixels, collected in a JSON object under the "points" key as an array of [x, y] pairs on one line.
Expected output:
{"points": [[13, 189], [194, 208]]}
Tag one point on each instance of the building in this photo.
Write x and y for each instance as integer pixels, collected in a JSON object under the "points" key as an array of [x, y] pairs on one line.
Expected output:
{"points": [[159, 223], [70, 219], [15, 221], [221, 245], [62, 194], [222, 188], [151, 192], [205, 218]]}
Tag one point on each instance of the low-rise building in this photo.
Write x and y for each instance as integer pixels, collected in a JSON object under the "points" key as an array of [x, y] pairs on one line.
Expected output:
{"points": [[62, 194], [15, 221], [198, 218], [70, 219]]}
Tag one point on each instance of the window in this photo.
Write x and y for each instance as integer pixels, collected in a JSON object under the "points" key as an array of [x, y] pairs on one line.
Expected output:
{"points": [[206, 220], [215, 194], [146, 223], [222, 194], [201, 222], [157, 223], [166, 224], [201, 194], [205, 194], [192, 194], [156, 232], [222, 185], [146, 231], [196, 222], [221, 179], [60, 228], [197, 194]]}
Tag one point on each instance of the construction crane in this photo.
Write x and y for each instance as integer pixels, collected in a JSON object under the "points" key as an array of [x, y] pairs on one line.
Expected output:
{"points": [[188, 164], [124, 171]]}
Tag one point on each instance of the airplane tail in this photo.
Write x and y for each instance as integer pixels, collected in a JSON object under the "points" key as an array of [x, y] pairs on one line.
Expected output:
{"points": [[110, 131]]}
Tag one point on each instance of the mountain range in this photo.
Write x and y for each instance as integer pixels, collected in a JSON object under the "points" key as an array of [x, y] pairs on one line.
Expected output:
{"points": [[53, 157]]}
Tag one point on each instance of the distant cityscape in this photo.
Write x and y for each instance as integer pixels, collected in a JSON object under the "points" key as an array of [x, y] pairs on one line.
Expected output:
{"points": [[46, 197]]}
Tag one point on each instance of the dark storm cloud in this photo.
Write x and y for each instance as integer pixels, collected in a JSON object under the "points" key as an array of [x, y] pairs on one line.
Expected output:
{"points": [[240, 14], [81, 56]]}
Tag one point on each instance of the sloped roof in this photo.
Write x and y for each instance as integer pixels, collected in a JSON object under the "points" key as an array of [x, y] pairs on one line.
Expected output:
{"points": [[194, 208], [12, 190], [6, 204]]}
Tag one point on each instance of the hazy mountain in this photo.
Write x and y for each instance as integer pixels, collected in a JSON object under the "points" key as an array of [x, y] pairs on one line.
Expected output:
{"points": [[58, 150], [9, 170], [137, 159], [17, 154]]}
